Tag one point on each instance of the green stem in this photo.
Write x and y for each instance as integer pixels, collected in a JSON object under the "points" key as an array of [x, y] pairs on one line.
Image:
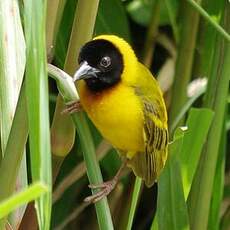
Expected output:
{"points": [[206, 39], [151, 34], [69, 93], [189, 26], [216, 99], [93, 170], [204, 14], [135, 196], [54, 14]]}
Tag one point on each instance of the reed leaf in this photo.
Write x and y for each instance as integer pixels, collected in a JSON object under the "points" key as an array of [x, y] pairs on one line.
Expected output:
{"points": [[37, 104], [216, 98]]}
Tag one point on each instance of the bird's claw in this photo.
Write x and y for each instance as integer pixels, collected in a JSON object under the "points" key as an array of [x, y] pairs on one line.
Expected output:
{"points": [[105, 187], [72, 107]]}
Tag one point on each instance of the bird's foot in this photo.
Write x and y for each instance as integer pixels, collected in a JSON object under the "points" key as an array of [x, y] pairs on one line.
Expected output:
{"points": [[105, 189], [72, 107]]}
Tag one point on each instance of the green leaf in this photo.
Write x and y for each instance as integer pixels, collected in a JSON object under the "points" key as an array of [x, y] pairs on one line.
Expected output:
{"points": [[171, 206], [172, 7], [209, 19], [12, 66], [105, 24], [198, 124], [135, 196], [215, 99], [111, 19], [218, 186], [63, 34], [141, 11], [9, 166], [31, 193], [186, 107], [37, 104]]}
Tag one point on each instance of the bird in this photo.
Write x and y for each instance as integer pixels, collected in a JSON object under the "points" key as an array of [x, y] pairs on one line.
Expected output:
{"points": [[125, 103]]}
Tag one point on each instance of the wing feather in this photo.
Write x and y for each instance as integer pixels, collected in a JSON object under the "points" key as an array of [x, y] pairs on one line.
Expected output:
{"points": [[149, 164]]}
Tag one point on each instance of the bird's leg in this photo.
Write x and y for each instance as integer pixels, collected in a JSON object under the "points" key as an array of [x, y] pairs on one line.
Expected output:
{"points": [[106, 187], [72, 107]]}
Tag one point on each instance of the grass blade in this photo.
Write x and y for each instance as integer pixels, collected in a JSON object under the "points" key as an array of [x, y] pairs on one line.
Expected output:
{"points": [[171, 206], [186, 107], [207, 38], [37, 104], [186, 47], [218, 186], [14, 149], [31, 193], [216, 98], [135, 196], [12, 66], [204, 14], [193, 143], [172, 17]]}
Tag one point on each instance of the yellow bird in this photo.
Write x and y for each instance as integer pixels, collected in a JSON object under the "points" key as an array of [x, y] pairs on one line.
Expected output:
{"points": [[125, 103]]}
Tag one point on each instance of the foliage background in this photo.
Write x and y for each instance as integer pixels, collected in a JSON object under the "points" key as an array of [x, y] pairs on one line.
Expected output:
{"points": [[180, 43]]}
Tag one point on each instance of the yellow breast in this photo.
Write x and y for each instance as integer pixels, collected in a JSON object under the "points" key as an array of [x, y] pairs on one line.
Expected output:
{"points": [[117, 114]]}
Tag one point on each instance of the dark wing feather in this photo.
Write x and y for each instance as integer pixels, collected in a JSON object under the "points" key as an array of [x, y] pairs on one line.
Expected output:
{"points": [[149, 164]]}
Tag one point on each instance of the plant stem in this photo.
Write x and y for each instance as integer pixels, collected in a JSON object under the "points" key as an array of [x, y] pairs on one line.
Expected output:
{"points": [[216, 99], [204, 14], [206, 39], [93, 170], [135, 196], [86, 140], [189, 25], [151, 34], [54, 14]]}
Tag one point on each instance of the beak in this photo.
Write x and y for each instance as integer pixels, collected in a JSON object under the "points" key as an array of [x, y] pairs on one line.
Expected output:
{"points": [[85, 71]]}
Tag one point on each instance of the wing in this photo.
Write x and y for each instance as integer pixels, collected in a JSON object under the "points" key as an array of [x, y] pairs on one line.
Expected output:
{"points": [[149, 164]]}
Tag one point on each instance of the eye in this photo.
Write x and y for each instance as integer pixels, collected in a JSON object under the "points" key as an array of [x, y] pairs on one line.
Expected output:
{"points": [[105, 61]]}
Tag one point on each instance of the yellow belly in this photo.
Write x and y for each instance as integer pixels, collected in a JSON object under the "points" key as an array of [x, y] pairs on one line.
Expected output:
{"points": [[117, 114]]}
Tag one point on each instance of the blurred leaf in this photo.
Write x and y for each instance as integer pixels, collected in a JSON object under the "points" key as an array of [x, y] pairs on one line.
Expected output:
{"points": [[199, 90], [32, 192], [112, 19], [63, 34], [207, 38], [198, 123], [215, 99], [171, 206], [133, 207], [211, 20], [172, 7], [140, 11], [218, 186], [111, 163], [185, 56]]}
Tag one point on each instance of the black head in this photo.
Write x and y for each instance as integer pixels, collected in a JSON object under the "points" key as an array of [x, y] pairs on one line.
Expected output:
{"points": [[101, 65]]}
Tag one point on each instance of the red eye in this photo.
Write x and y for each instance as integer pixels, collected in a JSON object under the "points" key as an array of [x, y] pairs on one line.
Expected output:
{"points": [[105, 61]]}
